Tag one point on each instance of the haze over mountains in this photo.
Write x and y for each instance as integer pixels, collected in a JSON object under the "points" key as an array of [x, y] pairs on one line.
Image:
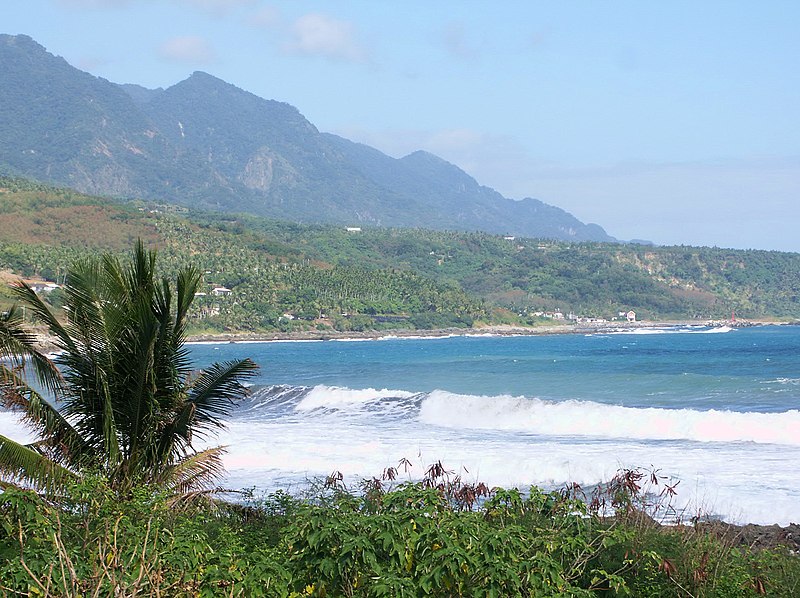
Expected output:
{"points": [[208, 144]]}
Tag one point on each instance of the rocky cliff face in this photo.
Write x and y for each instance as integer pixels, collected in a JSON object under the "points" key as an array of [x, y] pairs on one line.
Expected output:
{"points": [[209, 144]]}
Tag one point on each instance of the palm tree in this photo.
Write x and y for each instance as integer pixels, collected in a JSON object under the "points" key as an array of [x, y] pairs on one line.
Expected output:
{"points": [[17, 350], [130, 407]]}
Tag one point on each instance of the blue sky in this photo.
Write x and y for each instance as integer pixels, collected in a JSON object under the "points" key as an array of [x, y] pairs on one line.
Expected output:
{"points": [[677, 122]]}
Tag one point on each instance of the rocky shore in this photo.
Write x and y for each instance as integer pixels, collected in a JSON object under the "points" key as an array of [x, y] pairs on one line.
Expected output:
{"points": [[490, 330], [755, 536]]}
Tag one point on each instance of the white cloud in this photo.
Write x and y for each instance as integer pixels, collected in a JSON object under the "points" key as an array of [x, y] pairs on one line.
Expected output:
{"points": [[316, 34], [265, 18], [188, 49]]}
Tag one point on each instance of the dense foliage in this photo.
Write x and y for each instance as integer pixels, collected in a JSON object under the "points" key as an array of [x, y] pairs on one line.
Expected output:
{"points": [[437, 537], [585, 278], [290, 277], [130, 404]]}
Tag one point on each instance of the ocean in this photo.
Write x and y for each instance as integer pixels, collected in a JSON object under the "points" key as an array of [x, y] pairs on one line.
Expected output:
{"points": [[715, 409]]}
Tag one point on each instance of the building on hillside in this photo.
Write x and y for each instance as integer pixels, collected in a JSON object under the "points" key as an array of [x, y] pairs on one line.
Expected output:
{"points": [[220, 291], [631, 316], [353, 229], [43, 287]]}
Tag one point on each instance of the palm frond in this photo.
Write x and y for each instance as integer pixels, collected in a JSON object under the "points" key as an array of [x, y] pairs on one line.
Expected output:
{"points": [[206, 500], [139, 386], [143, 266], [197, 471], [42, 313], [128, 405], [188, 280], [109, 427], [17, 345], [218, 389], [115, 283], [61, 440], [171, 363], [19, 463], [177, 434]]}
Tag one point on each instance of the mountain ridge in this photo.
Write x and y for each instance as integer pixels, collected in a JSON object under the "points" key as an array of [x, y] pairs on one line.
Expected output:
{"points": [[206, 143]]}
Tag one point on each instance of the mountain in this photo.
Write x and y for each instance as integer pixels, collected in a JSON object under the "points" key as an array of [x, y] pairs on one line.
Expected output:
{"points": [[208, 144]]}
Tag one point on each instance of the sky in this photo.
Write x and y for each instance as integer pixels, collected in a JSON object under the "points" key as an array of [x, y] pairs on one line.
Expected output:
{"points": [[676, 122]]}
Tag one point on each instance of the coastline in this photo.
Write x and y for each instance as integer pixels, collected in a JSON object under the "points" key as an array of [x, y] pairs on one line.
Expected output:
{"points": [[745, 534], [489, 330]]}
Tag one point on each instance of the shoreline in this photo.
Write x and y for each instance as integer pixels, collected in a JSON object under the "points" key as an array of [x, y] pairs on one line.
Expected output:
{"points": [[744, 533], [490, 330]]}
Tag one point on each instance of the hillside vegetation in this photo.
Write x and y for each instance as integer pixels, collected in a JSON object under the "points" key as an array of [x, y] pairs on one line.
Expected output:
{"points": [[286, 276]]}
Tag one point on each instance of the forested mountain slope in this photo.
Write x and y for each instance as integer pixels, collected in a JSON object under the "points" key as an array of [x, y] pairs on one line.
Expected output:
{"points": [[207, 144], [390, 277]]}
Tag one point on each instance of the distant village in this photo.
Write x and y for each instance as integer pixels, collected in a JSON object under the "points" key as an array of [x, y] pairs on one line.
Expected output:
{"points": [[629, 316]]}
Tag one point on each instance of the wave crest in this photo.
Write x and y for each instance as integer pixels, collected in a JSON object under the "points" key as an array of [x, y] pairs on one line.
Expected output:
{"points": [[593, 420], [336, 397]]}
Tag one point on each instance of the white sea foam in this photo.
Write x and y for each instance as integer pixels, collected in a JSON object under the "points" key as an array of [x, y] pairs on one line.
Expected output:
{"points": [[334, 397], [404, 337], [418, 337], [597, 420], [672, 330], [741, 481], [727, 479], [787, 381]]}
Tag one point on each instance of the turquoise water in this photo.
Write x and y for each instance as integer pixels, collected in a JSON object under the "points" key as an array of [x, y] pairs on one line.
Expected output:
{"points": [[716, 409], [754, 369]]}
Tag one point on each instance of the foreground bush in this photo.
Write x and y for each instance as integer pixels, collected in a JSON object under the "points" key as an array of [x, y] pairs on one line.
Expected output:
{"points": [[433, 538]]}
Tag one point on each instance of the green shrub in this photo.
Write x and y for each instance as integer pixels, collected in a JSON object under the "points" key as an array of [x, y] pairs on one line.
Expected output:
{"points": [[436, 537]]}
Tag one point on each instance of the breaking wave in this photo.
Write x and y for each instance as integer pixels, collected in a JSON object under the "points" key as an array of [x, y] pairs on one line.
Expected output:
{"points": [[530, 415], [586, 418]]}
